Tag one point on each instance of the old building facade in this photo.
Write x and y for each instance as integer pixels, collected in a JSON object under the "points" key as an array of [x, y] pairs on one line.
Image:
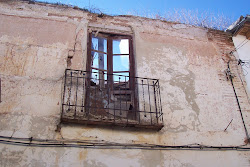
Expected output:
{"points": [[84, 89]]}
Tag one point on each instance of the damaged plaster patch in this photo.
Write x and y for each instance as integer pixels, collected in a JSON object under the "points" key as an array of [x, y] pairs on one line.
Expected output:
{"points": [[77, 55], [185, 116], [171, 160], [21, 125], [152, 158], [179, 94], [94, 163], [9, 157], [28, 59], [186, 84], [16, 124], [179, 26], [47, 126]]}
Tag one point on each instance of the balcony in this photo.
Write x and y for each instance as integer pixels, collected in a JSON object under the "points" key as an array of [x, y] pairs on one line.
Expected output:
{"points": [[99, 98]]}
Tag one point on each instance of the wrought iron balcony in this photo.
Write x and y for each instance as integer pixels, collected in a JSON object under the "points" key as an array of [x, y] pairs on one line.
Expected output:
{"points": [[110, 99]]}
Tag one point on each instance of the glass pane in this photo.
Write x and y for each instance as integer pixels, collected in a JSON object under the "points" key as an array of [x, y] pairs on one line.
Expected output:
{"points": [[99, 44], [97, 77], [120, 46], [121, 63], [121, 77], [94, 77], [99, 60]]}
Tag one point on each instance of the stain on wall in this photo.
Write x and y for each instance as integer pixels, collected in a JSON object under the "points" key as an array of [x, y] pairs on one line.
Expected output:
{"points": [[38, 42]]}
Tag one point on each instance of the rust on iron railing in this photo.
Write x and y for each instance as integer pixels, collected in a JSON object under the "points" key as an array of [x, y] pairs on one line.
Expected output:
{"points": [[111, 99]]}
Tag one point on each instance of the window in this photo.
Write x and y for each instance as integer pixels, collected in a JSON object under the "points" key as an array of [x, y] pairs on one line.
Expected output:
{"points": [[110, 54], [111, 67], [108, 93]]}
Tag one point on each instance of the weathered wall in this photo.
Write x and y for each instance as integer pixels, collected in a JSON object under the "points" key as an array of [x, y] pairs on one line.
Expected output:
{"points": [[21, 156], [38, 42]]}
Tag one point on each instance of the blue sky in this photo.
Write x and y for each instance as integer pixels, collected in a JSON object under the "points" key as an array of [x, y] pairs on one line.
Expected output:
{"points": [[229, 8]]}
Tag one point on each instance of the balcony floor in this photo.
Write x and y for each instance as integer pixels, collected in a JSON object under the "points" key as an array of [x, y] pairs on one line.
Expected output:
{"points": [[130, 123]]}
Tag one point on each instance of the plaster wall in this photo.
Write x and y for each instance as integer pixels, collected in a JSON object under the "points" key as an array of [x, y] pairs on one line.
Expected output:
{"points": [[38, 42], [21, 156]]}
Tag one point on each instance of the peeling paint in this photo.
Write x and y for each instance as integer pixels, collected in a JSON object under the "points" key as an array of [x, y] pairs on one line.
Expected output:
{"points": [[197, 100], [186, 84]]}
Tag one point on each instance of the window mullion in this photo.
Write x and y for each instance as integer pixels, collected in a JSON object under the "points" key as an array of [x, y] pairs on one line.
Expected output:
{"points": [[110, 60]]}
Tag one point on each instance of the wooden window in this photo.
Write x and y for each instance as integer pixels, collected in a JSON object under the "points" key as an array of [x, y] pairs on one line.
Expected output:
{"points": [[110, 54], [111, 68]]}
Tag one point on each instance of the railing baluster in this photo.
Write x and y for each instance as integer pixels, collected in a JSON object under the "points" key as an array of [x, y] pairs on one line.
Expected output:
{"points": [[70, 89], [126, 98], [63, 102], [155, 103], [120, 95], [83, 91], [88, 107], [160, 101], [138, 101], [145, 114], [149, 103], [101, 86], [76, 93], [108, 84], [95, 108]]}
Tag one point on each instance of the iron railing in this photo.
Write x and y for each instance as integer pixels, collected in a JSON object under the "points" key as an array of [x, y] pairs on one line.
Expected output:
{"points": [[112, 99]]}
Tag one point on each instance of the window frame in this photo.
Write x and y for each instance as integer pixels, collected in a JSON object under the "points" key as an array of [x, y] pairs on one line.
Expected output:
{"points": [[110, 36]]}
